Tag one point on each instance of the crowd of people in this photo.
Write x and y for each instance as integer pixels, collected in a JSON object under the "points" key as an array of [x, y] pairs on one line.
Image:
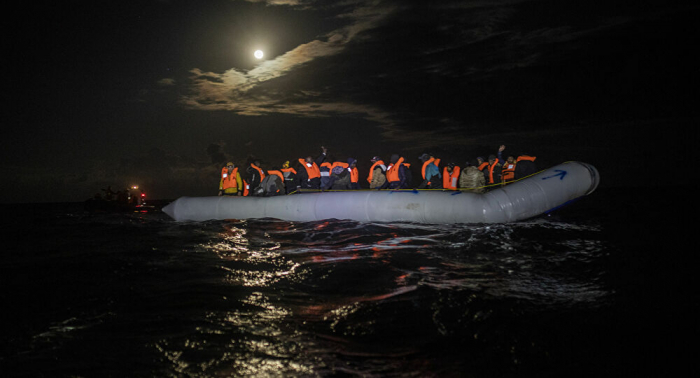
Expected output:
{"points": [[323, 173]]}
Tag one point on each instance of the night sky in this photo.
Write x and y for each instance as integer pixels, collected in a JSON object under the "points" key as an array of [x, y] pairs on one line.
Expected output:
{"points": [[162, 93]]}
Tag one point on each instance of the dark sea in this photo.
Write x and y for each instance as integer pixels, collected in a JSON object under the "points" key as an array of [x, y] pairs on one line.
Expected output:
{"points": [[603, 287]]}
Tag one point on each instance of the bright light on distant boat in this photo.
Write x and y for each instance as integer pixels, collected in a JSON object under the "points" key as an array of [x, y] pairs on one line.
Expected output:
{"points": [[258, 54]]}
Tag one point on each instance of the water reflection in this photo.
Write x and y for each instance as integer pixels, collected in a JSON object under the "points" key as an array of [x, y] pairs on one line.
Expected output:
{"points": [[302, 298]]}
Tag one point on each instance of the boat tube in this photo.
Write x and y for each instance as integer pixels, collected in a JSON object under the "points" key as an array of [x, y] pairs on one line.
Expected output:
{"points": [[527, 198]]}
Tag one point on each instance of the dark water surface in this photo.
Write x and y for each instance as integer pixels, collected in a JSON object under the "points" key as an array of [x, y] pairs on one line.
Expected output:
{"points": [[600, 288]]}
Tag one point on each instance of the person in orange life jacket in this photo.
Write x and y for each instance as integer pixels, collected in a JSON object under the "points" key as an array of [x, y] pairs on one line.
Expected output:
{"points": [[525, 166], [377, 173], [431, 173], [290, 177], [231, 183], [354, 174], [255, 175], [325, 171], [492, 172], [481, 163], [273, 183], [396, 174], [450, 176], [340, 176], [508, 169], [308, 174]]}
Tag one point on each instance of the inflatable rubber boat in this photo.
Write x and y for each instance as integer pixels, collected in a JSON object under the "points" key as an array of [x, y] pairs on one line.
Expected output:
{"points": [[527, 198]]}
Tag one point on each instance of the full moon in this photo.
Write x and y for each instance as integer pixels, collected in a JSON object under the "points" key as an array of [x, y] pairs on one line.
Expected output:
{"points": [[258, 54]]}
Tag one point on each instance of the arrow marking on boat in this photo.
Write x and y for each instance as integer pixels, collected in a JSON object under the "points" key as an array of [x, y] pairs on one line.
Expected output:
{"points": [[560, 173]]}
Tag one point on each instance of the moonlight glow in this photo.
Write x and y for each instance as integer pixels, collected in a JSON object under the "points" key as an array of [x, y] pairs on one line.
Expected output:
{"points": [[258, 54]]}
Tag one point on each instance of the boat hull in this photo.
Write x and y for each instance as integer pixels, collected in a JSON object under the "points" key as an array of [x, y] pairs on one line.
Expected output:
{"points": [[524, 199]]}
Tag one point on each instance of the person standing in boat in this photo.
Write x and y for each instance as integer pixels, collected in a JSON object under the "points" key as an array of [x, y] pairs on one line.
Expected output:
{"points": [[309, 175], [231, 183], [377, 173]]}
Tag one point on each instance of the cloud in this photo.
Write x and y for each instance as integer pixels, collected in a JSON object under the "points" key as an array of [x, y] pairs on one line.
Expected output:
{"points": [[247, 92], [166, 82]]}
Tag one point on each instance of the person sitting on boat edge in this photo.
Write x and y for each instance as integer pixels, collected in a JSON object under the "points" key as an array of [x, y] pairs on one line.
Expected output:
{"points": [[396, 174], [471, 179], [450, 176], [272, 184], [255, 175], [431, 173], [290, 177], [309, 175], [354, 174], [525, 166], [508, 169], [231, 183], [377, 173]]}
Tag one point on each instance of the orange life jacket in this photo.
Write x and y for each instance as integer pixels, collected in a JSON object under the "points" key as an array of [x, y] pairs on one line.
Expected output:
{"points": [[246, 188], [371, 170], [289, 170], [354, 175], [229, 180], [262, 175], [508, 172], [525, 157], [339, 164], [278, 173], [491, 167], [425, 165], [312, 170], [392, 172], [483, 165], [449, 180]]}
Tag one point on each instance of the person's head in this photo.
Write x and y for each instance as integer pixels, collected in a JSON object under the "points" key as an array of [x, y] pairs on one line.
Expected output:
{"points": [[352, 162], [256, 162], [286, 164], [450, 167], [510, 159], [480, 160], [492, 159], [424, 157], [375, 159], [473, 162], [309, 160], [394, 158]]}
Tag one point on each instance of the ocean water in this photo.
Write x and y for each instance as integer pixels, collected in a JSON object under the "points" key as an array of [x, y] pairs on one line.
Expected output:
{"points": [[599, 288]]}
